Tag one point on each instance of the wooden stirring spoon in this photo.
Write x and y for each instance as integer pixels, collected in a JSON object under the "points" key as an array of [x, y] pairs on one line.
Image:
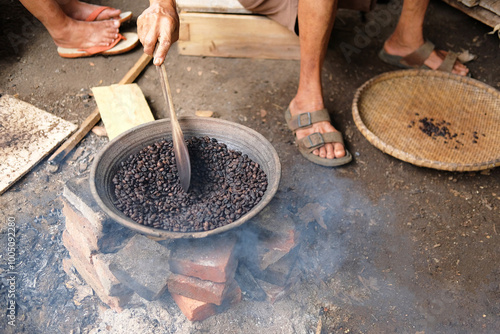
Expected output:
{"points": [[180, 148]]}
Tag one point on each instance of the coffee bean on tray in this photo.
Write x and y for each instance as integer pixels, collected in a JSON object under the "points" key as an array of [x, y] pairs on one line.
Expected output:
{"points": [[225, 185]]}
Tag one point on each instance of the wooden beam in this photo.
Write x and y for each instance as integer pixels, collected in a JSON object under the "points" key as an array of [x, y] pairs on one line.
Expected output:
{"points": [[232, 35], [212, 6], [479, 13]]}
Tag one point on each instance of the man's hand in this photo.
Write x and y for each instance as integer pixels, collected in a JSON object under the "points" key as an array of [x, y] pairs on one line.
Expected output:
{"points": [[158, 25]]}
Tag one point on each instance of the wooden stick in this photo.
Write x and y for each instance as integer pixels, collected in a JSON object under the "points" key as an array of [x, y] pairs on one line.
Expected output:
{"points": [[94, 117]]}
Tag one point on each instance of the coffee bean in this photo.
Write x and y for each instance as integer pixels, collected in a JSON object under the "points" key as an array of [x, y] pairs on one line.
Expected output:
{"points": [[225, 184]]}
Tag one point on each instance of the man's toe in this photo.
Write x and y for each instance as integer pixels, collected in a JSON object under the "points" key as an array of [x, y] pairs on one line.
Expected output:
{"points": [[339, 150], [330, 151], [323, 152]]}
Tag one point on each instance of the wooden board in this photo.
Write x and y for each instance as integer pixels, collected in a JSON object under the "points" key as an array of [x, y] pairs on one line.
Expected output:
{"points": [[234, 6], [231, 35], [122, 107], [479, 13], [491, 5], [470, 3], [27, 135], [212, 6]]}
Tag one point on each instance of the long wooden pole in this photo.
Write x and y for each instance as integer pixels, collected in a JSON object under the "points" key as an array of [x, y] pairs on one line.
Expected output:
{"points": [[59, 155]]}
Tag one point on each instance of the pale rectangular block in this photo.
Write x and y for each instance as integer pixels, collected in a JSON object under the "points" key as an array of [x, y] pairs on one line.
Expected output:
{"points": [[122, 107]]}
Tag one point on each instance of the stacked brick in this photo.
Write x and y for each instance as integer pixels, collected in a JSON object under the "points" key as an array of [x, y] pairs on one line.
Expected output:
{"points": [[202, 281], [269, 251], [86, 237], [203, 276]]}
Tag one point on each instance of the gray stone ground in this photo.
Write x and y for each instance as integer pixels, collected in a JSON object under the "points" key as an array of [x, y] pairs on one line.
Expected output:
{"points": [[406, 249]]}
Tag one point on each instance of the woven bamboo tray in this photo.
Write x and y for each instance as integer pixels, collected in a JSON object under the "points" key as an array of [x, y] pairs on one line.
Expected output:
{"points": [[431, 119]]}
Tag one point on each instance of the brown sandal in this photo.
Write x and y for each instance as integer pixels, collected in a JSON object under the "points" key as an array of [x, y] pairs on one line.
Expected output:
{"points": [[315, 140], [417, 58]]}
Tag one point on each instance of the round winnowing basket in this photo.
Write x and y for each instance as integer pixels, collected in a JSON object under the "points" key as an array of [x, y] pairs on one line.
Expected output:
{"points": [[431, 119]]}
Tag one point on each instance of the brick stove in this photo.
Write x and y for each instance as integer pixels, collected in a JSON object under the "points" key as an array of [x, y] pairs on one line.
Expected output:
{"points": [[203, 276]]}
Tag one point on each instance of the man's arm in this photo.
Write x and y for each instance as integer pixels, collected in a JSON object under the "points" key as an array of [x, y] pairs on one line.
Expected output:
{"points": [[158, 24]]}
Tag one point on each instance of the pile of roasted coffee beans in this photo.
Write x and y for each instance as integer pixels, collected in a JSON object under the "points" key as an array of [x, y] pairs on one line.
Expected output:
{"points": [[225, 184], [436, 128]]}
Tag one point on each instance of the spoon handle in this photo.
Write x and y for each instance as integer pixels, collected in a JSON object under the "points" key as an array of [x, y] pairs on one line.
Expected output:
{"points": [[180, 149]]}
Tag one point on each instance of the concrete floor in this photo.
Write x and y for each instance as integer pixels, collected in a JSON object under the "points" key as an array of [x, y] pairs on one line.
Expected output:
{"points": [[406, 249]]}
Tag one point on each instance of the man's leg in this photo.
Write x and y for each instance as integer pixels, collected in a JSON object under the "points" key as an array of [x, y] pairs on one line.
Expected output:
{"points": [[70, 33], [315, 18], [408, 36]]}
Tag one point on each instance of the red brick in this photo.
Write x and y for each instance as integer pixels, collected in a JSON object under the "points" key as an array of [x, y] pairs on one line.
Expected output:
{"points": [[142, 265], [109, 235], [284, 242], [67, 266], [77, 246], [274, 292], [112, 286], [78, 226], [77, 192], [205, 291], [210, 259], [90, 276], [194, 310], [276, 219], [271, 257], [273, 266], [279, 272], [272, 248], [233, 297]]}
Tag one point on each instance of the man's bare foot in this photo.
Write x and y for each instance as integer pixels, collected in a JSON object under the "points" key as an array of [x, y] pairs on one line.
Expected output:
{"points": [[329, 150], [81, 10], [83, 35], [433, 61]]}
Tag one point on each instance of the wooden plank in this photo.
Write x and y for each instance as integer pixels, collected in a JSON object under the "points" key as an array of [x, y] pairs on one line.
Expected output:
{"points": [[27, 135], [470, 3], [212, 6], [232, 35], [477, 12], [491, 5], [234, 6], [122, 107]]}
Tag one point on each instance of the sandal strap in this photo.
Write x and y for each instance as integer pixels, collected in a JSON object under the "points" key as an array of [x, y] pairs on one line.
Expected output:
{"points": [[316, 140], [307, 119], [448, 62], [96, 13], [418, 57]]}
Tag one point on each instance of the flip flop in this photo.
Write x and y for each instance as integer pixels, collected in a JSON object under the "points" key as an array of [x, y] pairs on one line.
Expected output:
{"points": [[417, 58], [315, 140], [122, 44], [124, 17]]}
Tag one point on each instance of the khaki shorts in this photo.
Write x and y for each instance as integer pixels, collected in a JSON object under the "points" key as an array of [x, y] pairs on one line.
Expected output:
{"points": [[282, 11]]}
